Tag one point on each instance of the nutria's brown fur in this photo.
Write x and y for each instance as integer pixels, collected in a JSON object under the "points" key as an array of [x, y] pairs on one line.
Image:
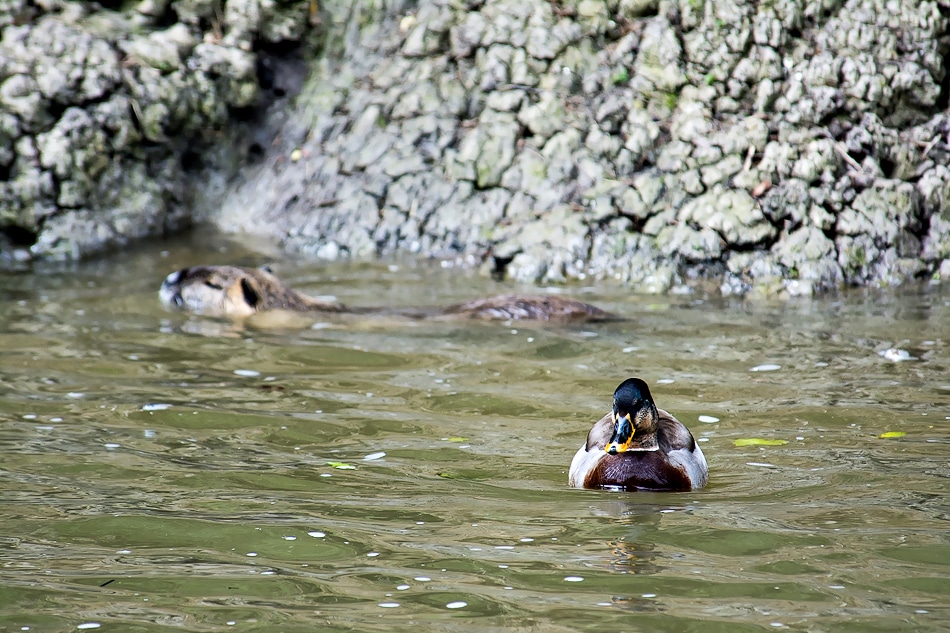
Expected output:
{"points": [[240, 292]]}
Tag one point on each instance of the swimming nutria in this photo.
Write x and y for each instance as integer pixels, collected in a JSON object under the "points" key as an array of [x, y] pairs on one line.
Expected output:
{"points": [[232, 291]]}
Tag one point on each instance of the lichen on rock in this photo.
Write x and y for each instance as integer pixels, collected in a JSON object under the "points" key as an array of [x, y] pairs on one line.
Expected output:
{"points": [[779, 145], [100, 110], [784, 147]]}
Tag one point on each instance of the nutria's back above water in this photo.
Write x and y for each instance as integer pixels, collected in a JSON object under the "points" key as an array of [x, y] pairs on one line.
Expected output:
{"points": [[232, 291]]}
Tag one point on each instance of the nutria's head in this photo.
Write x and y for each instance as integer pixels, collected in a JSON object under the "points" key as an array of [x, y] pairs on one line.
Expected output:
{"points": [[222, 290]]}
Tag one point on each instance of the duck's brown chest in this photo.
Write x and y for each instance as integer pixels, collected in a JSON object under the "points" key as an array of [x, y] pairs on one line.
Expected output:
{"points": [[638, 469]]}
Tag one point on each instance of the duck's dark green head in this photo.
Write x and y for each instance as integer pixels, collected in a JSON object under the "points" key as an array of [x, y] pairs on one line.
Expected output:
{"points": [[635, 418]]}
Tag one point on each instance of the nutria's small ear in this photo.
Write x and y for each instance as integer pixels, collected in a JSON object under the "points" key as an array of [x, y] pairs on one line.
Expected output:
{"points": [[266, 268], [251, 294]]}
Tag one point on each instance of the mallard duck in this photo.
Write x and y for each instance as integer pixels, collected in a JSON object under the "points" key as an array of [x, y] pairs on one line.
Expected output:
{"points": [[637, 446]]}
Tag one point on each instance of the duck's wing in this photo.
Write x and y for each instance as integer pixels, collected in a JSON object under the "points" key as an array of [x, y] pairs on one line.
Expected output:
{"points": [[589, 454], [682, 451], [600, 433], [672, 434]]}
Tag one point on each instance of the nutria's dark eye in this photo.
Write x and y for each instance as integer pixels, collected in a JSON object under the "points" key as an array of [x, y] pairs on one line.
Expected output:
{"points": [[178, 276], [211, 284], [250, 294]]}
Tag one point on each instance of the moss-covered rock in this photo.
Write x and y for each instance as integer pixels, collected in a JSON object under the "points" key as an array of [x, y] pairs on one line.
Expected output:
{"points": [[100, 110], [781, 147]]}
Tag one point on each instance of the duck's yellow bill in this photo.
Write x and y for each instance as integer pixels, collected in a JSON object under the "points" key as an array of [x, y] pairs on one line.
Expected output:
{"points": [[616, 447], [622, 437]]}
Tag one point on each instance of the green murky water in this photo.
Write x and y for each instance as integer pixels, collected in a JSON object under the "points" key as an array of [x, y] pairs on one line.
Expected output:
{"points": [[163, 473]]}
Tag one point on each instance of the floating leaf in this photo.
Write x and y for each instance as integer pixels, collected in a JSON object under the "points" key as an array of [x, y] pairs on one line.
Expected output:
{"points": [[758, 441], [458, 439], [341, 465], [890, 434]]}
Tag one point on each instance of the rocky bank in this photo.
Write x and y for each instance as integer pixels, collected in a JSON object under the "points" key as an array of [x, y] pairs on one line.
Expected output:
{"points": [[788, 146], [108, 118]]}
